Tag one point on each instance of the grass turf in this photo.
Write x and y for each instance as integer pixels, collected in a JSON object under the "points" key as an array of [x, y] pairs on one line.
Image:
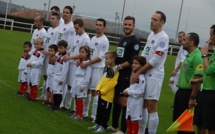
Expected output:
{"points": [[18, 115]]}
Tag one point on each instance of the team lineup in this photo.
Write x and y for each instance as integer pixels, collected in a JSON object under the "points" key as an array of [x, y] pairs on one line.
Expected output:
{"points": [[80, 69]]}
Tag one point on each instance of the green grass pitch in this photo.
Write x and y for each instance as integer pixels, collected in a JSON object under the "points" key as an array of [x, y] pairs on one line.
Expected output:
{"points": [[18, 115]]}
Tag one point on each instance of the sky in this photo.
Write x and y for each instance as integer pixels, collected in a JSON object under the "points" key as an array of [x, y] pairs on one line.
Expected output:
{"points": [[196, 16]]}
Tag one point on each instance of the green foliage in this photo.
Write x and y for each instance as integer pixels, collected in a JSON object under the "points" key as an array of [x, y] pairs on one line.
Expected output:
{"points": [[18, 115]]}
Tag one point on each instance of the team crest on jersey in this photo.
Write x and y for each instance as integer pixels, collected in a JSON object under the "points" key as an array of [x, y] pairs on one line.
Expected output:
{"points": [[185, 66], [37, 35], [153, 41], [36, 54], [64, 29], [199, 67], [96, 43], [60, 60], [124, 44], [136, 47], [162, 44], [86, 44], [104, 47], [77, 41], [52, 33], [72, 33]]}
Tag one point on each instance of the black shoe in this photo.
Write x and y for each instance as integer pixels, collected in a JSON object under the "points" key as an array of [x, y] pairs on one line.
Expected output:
{"points": [[54, 108], [172, 107], [20, 93], [63, 108], [146, 131], [72, 112]]}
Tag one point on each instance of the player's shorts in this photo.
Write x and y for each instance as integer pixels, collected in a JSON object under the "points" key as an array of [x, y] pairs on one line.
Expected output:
{"points": [[71, 74], [153, 89], [205, 114], [96, 76], [121, 85], [77, 83], [49, 82], [134, 108]]}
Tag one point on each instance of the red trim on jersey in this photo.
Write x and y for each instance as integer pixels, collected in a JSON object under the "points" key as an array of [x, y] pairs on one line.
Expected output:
{"points": [[159, 53]]}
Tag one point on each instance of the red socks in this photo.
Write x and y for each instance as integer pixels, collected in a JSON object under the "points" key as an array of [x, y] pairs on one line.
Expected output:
{"points": [[135, 127], [79, 107], [129, 126], [23, 87], [132, 127], [33, 92]]}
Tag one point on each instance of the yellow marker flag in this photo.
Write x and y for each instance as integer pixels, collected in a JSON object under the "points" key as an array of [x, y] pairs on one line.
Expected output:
{"points": [[184, 122]]}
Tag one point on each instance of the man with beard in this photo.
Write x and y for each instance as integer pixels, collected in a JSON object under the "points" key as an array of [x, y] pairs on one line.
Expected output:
{"points": [[155, 52], [128, 47]]}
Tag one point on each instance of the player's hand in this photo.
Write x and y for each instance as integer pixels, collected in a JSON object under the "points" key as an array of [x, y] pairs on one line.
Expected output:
{"points": [[44, 52], [110, 73], [53, 59], [134, 77], [81, 89], [125, 92], [27, 56], [60, 83], [192, 103], [174, 72], [66, 57], [85, 64], [98, 92], [204, 49], [29, 64]]}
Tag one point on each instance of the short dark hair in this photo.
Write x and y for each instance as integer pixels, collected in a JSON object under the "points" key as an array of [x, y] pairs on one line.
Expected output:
{"points": [[70, 9], [28, 43], [163, 16], [102, 20], [112, 54], [56, 8], [140, 59], [181, 32], [130, 18], [62, 43], [79, 21], [213, 27], [57, 15], [195, 38], [41, 18], [53, 46]]}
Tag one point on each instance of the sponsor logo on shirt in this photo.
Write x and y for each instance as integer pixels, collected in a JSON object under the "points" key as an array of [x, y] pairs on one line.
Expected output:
{"points": [[199, 67], [153, 41]]}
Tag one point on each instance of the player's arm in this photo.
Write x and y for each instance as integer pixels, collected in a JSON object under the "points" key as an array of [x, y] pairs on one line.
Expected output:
{"points": [[140, 89], [38, 62], [86, 80], [174, 72]]}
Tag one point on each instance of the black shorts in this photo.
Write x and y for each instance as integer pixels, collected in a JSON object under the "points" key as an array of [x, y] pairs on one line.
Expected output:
{"points": [[121, 85], [205, 114]]}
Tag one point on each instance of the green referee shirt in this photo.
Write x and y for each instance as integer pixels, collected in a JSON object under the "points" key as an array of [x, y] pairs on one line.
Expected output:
{"points": [[192, 65], [209, 77]]}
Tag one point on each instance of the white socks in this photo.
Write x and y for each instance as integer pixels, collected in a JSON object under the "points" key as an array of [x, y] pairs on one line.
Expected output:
{"points": [[68, 99], [86, 105], [143, 122], [153, 123], [94, 108], [44, 89]]}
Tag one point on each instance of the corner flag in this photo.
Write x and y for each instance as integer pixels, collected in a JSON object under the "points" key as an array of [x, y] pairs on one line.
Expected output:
{"points": [[184, 122]]}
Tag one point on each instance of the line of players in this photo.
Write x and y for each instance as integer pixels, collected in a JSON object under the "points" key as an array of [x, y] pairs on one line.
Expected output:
{"points": [[74, 48]]}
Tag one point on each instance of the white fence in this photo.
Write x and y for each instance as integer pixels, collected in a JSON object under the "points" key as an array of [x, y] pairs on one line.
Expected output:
{"points": [[111, 38]]}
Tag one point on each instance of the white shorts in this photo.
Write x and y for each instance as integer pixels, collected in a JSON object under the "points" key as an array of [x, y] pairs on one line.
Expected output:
{"points": [[153, 89], [49, 82], [134, 108], [23, 77], [96, 76], [71, 74], [34, 76], [57, 89], [76, 88]]}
